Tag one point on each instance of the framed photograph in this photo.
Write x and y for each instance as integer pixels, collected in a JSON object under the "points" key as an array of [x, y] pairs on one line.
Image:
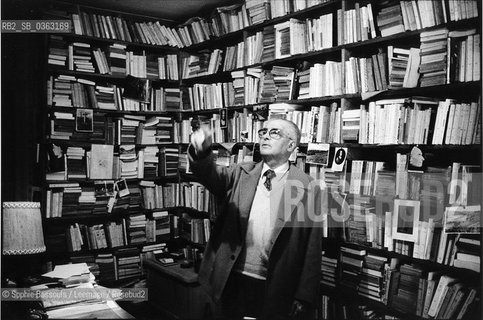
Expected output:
{"points": [[459, 219], [121, 187], [318, 153], [84, 120], [340, 154], [223, 123], [405, 220]]}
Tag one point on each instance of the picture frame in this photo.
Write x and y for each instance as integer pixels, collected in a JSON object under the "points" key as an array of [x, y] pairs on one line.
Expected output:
{"points": [[84, 120], [318, 153], [462, 220], [405, 222]]}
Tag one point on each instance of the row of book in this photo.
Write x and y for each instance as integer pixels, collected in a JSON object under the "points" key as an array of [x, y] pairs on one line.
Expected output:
{"points": [[413, 120], [442, 58], [359, 22], [426, 293], [96, 126], [101, 197], [70, 91], [435, 232], [130, 231], [133, 231], [115, 59], [453, 58], [196, 30], [102, 162], [69, 198], [123, 264], [187, 194], [415, 15]]}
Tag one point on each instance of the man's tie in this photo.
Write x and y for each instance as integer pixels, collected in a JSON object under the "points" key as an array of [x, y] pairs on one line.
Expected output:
{"points": [[269, 174]]}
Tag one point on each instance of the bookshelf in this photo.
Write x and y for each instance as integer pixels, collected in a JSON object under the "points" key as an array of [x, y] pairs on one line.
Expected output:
{"points": [[352, 69], [113, 195]]}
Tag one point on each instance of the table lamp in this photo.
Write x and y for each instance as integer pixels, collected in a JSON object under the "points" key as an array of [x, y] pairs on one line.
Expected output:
{"points": [[22, 235]]}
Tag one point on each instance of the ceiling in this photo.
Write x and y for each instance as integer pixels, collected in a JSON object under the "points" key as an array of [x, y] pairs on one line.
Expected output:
{"points": [[172, 10]]}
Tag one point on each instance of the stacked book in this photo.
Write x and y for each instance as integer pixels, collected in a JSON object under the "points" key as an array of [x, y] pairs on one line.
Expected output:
{"points": [[76, 163], [329, 269], [161, 225], [268, 43], [148, 162], [284, 78], [239, 86], [258, 11], [80, 57], [104, 96], [398, 59], [351, 124], [58, 51], [137, 229], [351, 262], [303, 79], [467, 253], [433, 66], [128, 263], [106, 268], [405, 291], [168, 161], [156, 130], [372, 283], [390, 20], [129, 161], [117, 58]]}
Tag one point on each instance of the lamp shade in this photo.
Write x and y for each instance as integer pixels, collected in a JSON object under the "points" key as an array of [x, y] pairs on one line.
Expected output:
{"points": [[22, 228]]}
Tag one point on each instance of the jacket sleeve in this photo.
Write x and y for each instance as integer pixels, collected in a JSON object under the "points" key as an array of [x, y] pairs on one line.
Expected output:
{"points": [[310, 278], [218, 179]]}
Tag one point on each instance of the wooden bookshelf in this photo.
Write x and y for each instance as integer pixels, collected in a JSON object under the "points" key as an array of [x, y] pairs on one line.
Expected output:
{"points": [[345, 87]]}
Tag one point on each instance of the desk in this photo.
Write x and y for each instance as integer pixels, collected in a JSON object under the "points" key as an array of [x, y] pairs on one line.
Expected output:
{"points": [[175, 290]]}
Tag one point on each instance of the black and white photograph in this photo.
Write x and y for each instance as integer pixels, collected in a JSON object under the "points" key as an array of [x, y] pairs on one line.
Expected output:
{"points": [[241, 159]]}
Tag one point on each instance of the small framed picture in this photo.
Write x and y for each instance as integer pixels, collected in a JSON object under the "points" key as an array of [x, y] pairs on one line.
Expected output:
{"points": [[340, 156], [405, 220], [84, 120], [459, 219], [223, 123], [121, 188], [318, 153]]}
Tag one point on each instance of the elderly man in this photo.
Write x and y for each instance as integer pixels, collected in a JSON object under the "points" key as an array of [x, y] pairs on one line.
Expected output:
{"points": [[263, 257]]}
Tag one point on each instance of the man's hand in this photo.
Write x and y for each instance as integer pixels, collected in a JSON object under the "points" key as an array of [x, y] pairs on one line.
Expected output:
{"points": [[299, 311], [201, 139]]}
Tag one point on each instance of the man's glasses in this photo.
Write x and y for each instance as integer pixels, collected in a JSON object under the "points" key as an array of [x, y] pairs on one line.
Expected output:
{"points": [[272, 133]]}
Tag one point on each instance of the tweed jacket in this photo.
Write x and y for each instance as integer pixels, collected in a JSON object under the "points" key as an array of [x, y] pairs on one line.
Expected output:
{"points": [[294, 251]]}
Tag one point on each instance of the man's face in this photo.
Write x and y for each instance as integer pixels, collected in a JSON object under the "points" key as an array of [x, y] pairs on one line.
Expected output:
{"points": [[276, 142]]}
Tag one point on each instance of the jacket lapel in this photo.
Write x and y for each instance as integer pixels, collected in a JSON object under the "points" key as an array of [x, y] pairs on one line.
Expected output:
{"points": [[281, 220], [248, 185]]}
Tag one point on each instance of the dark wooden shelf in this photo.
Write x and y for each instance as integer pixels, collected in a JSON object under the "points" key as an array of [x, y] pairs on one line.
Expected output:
{"points": [[301, 14], [114, 251], [138, 45], [106, 77], [116, 112]]}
